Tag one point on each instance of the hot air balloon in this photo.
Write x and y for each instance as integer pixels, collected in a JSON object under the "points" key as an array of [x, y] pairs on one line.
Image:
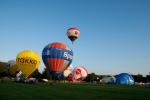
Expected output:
{"points": [[79, 73], [73, 34], [57, 57], [67, 71], [108, 80], [27, 61], [124, 79]]}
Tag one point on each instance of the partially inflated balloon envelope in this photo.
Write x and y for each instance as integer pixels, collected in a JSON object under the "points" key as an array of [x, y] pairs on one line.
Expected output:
{"points": [[67, 71], [28, 61], [80, 73], [73, 34], [108, 79], [125, 79], [57, 57]]}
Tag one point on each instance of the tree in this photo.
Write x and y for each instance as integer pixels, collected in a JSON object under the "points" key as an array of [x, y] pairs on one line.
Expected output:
{"points": [[138, 78], [90, 77], [36, 74], [46, 74], [148, 78]]}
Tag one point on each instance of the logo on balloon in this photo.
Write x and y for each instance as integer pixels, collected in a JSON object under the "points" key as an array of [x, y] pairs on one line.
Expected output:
{"points": [[26, 61], [67, 55]]}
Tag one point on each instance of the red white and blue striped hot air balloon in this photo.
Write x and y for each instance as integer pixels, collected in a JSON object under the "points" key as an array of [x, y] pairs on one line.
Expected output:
{"points": [[73, 34], [57, 57]]}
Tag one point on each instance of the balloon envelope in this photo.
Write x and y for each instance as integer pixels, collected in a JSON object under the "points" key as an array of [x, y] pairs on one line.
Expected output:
{"points": [[67, 72], [108, 80], [80, 73], [124, 78], [57, 57], [28, 61], [73, 34]]}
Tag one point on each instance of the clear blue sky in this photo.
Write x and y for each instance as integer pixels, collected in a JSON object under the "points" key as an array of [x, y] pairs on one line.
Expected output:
{"points": [[115, 34]]}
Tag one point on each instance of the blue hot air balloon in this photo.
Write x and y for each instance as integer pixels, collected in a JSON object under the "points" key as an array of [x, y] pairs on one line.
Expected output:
{"points": [[124, 79], [57, 57]]}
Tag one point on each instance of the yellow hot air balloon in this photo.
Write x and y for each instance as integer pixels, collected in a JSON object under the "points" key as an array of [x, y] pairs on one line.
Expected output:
{"points": [[28, 61]]}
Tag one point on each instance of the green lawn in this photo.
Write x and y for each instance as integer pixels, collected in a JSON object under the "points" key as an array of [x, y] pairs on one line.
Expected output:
{"points": [[40, 91]]}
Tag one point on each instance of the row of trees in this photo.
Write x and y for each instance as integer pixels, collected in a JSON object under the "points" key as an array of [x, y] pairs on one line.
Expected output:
{"points": [[92, 77], [138, 78]]}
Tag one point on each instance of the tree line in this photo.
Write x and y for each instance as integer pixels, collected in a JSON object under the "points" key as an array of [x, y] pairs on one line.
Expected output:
{"points": [[92, 77]]}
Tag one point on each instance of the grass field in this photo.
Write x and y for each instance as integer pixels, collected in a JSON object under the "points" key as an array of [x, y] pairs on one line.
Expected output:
{"points": [[41, 91]]}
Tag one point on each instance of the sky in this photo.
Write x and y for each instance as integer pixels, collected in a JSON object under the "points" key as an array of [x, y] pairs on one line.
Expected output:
{"points": [[114, 34]]}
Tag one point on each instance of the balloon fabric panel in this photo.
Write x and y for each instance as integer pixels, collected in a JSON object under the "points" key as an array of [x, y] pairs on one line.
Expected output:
{"points": [[56, 65]]}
